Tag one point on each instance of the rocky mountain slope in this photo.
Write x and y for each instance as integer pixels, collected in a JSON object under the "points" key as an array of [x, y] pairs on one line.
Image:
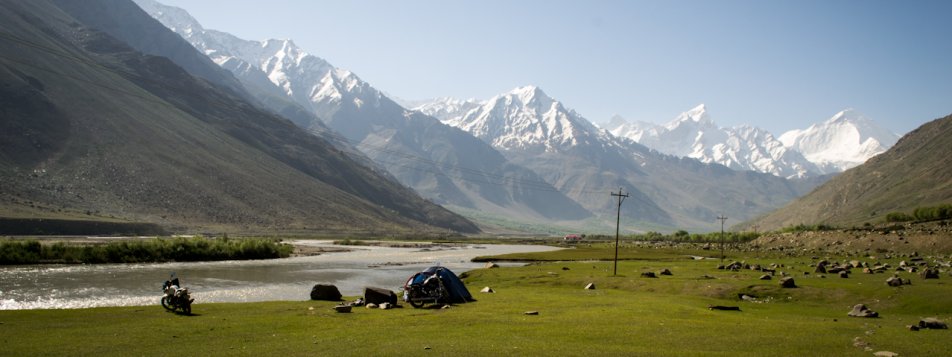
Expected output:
{"points": [[94, 129], [916, 172]]}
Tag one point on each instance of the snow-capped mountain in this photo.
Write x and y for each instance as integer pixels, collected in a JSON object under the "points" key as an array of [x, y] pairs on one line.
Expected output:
{"points": [[521, 155], [844, 141], [444, 164], [694, 134], [522, 119], [582, 160]]}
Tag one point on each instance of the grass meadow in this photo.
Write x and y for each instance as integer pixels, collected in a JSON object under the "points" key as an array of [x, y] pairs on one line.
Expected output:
{"points": [[625, 315]]}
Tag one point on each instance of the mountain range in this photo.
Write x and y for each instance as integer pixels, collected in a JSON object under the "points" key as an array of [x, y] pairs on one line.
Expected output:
{"points": [[521, 155], [114, 115], [833, 146], [94, 129]]}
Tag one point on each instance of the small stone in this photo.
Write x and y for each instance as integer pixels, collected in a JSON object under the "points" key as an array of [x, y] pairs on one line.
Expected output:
{"points": [[531, 313], [648, 274], [491, 265], [445, 307], [565, 268], [426, 347], [665, 272], [590, 286], [885, 354], [787, 282], [487, 290], [912, 327], [766, 277], [385, 306], [371, 306]]}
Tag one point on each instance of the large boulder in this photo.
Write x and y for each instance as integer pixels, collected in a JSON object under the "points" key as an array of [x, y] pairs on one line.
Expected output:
{"points": [[379, 296], [787, 282], [894, 281], [930, 273], [932, 323], [860, 310], [325, 292]]}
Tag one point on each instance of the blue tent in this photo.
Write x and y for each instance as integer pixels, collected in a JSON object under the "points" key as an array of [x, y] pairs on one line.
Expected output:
{"points": [[454, 286]]}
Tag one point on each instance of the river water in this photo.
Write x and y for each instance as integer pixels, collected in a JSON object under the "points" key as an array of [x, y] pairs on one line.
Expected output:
{"points": [[84, 286]]}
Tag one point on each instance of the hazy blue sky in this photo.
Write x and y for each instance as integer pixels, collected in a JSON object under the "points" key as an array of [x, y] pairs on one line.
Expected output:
{"points": [[778, 65]]}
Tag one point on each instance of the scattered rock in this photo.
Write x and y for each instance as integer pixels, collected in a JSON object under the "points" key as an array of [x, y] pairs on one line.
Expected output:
{"points": [[385, 306], [565, 268], [787, 282], [379, 296], [932, 323], [371, 306], [746, 297], [845, 274], [531, 313], [343, 308], [912, 327], [445, 307], [490, 265], [885, 354], [929, 273], [766, 277], [860, 310], [665, 271], [894, 281], [590, 286], [726, 308], [325, 292], [487, 290], [648, 274]]}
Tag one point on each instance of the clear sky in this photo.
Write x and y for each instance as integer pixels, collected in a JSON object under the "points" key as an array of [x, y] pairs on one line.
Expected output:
{"points": [[778, 65]]}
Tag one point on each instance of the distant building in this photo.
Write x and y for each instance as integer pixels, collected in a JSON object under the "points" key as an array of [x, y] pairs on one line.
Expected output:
{"points": [[572, 238]]}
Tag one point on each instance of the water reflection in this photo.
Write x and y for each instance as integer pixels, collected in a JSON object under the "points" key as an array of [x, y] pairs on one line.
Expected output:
{"points": [[82, 286]]}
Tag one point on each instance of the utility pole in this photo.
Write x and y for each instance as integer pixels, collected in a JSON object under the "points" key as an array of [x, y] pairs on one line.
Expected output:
{"points": [[621, 198], [722, 218]]}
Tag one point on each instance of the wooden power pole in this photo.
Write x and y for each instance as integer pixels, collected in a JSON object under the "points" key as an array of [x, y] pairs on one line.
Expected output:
{"points": [[722, 218], [621, 198]]}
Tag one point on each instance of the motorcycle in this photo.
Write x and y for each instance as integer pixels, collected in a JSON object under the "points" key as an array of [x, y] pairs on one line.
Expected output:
{"points": [[176, 297], [423, 288]]}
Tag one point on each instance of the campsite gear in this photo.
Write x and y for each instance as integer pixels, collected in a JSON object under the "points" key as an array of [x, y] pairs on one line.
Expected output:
{"points": [[435, 285], [176, 297]]}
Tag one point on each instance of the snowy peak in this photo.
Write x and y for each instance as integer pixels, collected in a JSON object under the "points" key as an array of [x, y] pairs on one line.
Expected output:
{"points": [[525, 118], [844, 141], [694, 134], [697, 116]]}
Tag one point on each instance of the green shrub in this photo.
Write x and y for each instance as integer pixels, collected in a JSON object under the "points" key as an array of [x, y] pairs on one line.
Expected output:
{"points": [[152, 250], [899, 217]]}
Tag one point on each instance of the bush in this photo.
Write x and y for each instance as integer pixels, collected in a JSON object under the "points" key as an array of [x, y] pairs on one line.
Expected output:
{"points": [[899, 217], [152, 250]]}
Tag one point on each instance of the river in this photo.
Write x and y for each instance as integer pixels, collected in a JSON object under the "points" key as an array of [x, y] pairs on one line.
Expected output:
{"points": [[85, 286]]}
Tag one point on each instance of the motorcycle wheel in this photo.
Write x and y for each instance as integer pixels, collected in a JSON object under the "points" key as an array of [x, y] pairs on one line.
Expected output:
{"points": [[166, 304], [187, 308], [416, 304]]}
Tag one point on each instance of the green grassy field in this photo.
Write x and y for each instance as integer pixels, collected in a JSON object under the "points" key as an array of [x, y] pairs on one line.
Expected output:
{"points": [[626, 315]]}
